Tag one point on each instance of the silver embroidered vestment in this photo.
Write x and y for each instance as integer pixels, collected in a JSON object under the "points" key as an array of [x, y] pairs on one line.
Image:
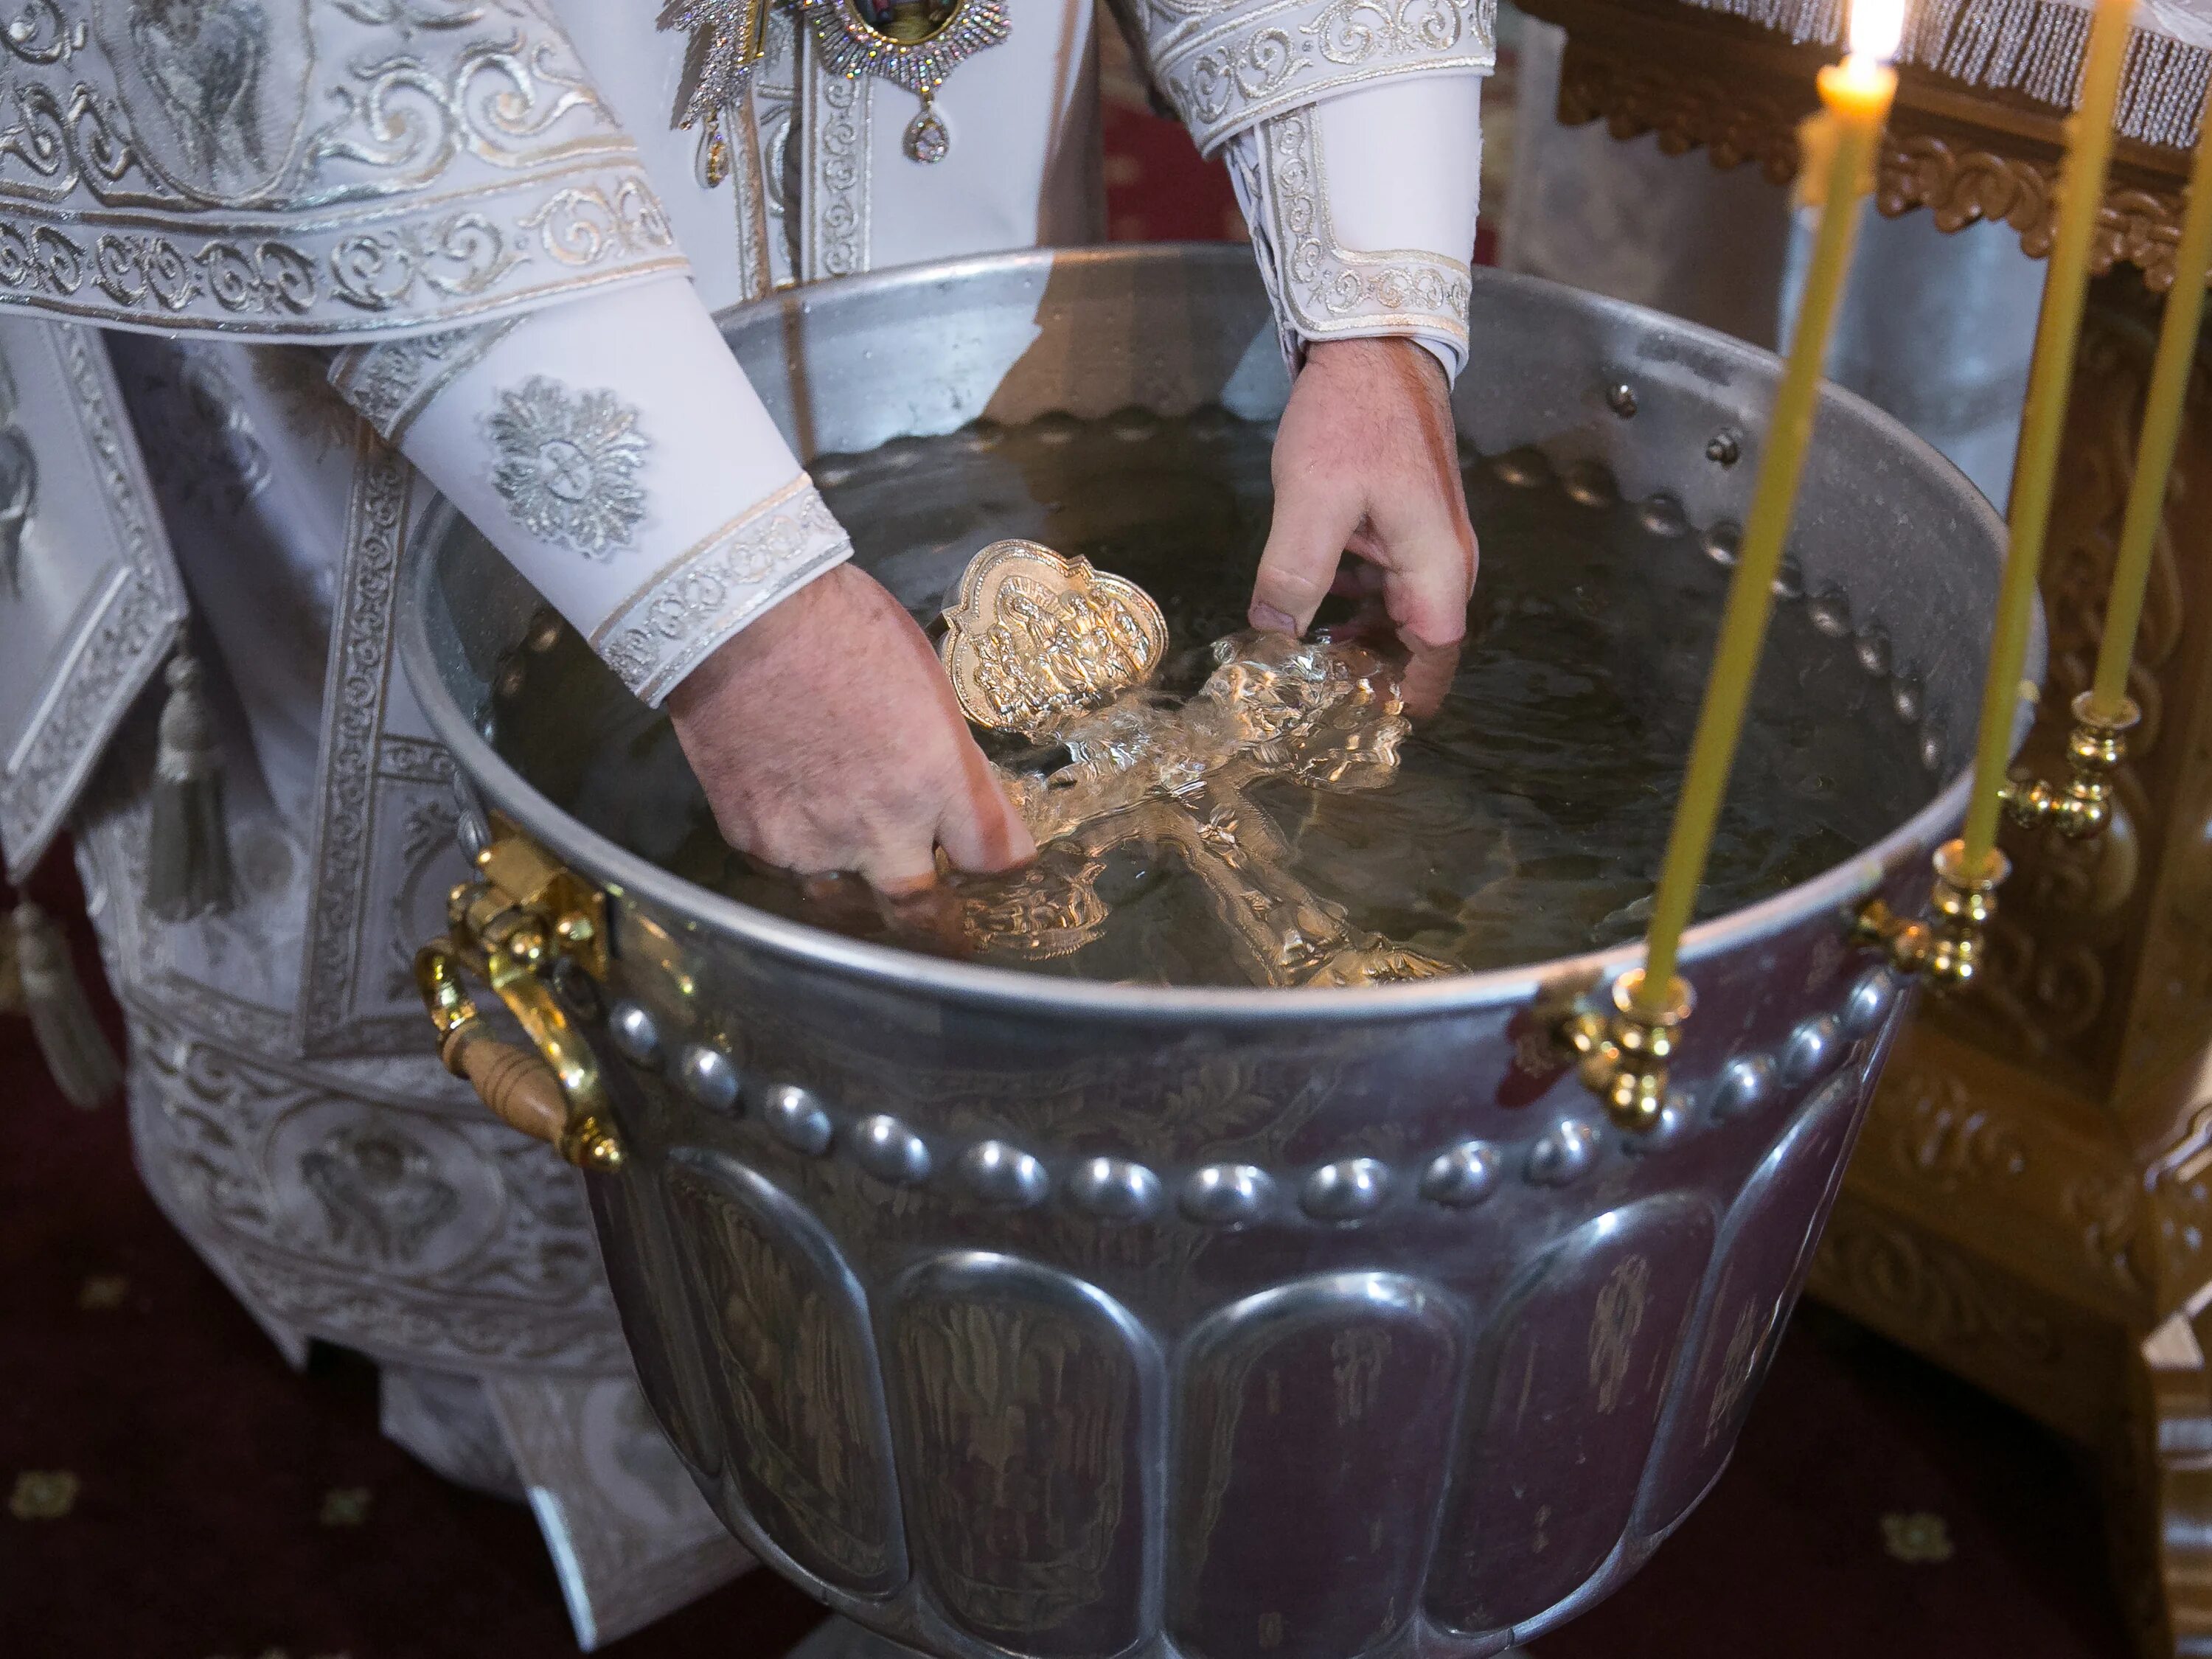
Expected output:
{"points": [[337, 170], [489, 206]]}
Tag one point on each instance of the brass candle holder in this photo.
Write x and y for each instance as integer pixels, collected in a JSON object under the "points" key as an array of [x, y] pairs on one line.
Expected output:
{"points": [[1947, 950], [1621, 1057], [2081, 809]]}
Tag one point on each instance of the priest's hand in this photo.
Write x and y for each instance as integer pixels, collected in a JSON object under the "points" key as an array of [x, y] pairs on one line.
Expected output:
{"points": [[827, 740], [1367, 465]]}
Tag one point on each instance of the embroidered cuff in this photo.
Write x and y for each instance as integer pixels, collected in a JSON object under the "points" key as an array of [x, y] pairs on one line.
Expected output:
{"points": [[1228, 70], [390, 382], [590, 442], [1323, 288], [676, 620]]}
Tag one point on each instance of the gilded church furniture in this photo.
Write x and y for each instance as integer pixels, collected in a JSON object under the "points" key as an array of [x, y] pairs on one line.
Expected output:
{"points": [[2026, 1206]]}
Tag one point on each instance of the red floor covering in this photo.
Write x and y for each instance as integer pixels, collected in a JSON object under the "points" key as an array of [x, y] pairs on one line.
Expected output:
{"points": [[218, 1506]]}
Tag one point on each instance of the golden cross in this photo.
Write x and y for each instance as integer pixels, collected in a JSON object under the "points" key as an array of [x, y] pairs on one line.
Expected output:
{"points": [[1047, 646]]}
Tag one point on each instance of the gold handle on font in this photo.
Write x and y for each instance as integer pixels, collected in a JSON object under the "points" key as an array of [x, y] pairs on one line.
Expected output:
{"points": [[551, 1091]]}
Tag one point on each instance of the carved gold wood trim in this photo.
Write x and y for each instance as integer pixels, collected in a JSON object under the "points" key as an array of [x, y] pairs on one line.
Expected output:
{"points": [[2060, 1365], [1731, 124], [2065, 957], [1971, 1151], [1959, 176], [2173, 1462]]}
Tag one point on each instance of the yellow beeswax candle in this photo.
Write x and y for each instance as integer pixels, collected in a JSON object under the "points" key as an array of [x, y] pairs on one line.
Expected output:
{"points": [[1856, 95], [2081, 192], [2161, 431]]}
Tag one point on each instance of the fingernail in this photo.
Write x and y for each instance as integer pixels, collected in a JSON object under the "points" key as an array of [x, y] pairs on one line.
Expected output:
{"points": [[1268, 620]]}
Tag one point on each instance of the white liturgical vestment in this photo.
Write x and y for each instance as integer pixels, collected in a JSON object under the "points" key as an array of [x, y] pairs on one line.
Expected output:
{"points": [[338, 256]]}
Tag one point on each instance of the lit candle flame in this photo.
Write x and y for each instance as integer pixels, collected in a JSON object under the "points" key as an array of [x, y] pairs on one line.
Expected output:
{"points": [[1877, 28]]}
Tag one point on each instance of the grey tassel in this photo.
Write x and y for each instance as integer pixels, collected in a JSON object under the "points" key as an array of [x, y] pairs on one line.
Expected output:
{"points": [[11, 978], [188, 857], [75, 1048]]}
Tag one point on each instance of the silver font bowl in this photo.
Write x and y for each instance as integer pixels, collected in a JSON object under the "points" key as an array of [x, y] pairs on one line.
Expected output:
{"points": [[1015, 1315]]}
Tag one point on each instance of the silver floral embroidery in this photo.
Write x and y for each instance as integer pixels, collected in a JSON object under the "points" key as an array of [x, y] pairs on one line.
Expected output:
{"points": [[392, 382], [177, 165], [661, 632], [567, 464], [19, 488], [1226, 70], [834, 193], [1323, 288]]}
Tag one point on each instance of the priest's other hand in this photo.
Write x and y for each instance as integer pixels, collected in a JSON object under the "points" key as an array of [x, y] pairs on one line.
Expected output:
{"points": [[827, 740], [1367, 464]]}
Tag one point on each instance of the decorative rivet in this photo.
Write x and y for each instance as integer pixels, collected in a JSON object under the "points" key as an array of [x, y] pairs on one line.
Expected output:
{"points": [[1873, 649], [1743, 1086], [1563, 1156], [1117, 1191], [999, 1174], [1870, 1002], [1905, 697], [1588, 484], [1345, 1191], [709, 1078], [636, 1034], [1226, 1194], [1620, 398], [1813, 1048], [1524, 469], [890, 1151], [1830, 610], [1667, 1129], [1724, 447], [1789, 578], [1662, 515], [798, 1117], [1461, 1175], [1722, 541], [545, 626]]}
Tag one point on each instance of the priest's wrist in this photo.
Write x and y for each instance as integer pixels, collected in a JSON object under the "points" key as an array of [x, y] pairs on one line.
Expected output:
{"points": [[1369, 500], [827, 740]]}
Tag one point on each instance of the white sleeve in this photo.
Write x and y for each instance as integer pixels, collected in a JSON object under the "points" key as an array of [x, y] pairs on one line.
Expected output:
{"points": [[1363, 209], [612, 449]]}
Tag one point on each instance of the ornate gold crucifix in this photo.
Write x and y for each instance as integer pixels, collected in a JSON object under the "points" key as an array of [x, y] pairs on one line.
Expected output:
{"points": [[1050, 648]]}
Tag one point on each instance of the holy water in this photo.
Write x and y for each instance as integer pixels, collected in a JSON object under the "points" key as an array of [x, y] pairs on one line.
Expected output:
{"points": [[1529, 813]]}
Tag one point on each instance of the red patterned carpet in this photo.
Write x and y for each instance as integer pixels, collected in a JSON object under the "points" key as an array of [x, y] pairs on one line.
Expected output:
{"points": [[175, 1493]]}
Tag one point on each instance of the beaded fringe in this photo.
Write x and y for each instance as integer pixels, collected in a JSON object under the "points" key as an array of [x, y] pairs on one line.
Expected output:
{"points": [[2030, 46]]}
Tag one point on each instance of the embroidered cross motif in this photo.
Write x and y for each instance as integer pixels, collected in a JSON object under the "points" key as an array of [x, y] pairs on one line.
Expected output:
{"points": [[567, 466]]}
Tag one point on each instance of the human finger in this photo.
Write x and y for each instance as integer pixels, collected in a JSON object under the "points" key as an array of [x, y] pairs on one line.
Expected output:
{"points": [[981, 831], [1306, 540], [898, 863], [1428, 567]]}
